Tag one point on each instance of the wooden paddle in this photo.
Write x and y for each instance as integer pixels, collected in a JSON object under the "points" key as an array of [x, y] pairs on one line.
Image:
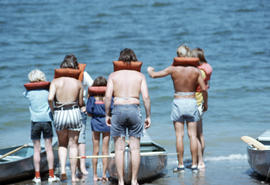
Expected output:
{"points": [[13, 151], [254, 143]]}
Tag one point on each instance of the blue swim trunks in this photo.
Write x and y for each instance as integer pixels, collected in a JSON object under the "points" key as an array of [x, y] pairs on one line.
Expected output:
{"points": [[126, 118], [185, 109]]}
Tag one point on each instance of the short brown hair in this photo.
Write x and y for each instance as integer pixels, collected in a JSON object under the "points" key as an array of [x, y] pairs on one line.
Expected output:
{"points": [[127, 55], [70, 61], [100, 81]]}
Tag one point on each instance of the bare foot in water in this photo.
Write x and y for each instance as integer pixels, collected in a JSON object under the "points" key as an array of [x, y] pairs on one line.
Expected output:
{"points": [[63, 177], [96, 178], [104, 179], [201, 165], [74, 180], [134, 183], [84, 172]]}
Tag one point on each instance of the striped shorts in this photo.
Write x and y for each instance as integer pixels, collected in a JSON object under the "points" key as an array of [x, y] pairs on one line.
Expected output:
{"points": [[68, 119]]}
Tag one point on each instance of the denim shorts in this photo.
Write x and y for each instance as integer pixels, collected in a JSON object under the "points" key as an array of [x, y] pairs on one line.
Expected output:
{"points": [[185, 109], [126, 118], [41, 127], [82, 136]]}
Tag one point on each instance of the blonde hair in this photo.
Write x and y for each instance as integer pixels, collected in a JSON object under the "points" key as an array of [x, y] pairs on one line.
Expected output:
{"points": [[36, 76], [183, 51]]}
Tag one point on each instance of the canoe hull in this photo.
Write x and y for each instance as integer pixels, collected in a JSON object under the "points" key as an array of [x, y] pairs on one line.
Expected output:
{"points": [[152, 164], [259, 161], [22, 166]]}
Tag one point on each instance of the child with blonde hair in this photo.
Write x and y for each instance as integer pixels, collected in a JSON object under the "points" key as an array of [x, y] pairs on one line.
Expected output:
{"points": [[41, 122]]}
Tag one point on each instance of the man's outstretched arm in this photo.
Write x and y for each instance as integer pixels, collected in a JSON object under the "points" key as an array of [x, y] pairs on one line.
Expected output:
{"points": [[159, 74]]}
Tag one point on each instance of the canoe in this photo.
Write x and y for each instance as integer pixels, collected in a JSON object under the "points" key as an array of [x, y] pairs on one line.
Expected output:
{"points": [[259, 160], [19, 165], [153, 161]]}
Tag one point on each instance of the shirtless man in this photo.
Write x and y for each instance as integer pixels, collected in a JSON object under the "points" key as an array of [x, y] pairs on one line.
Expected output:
{"points": [[184, 107], [126, 86], [68, 93]]}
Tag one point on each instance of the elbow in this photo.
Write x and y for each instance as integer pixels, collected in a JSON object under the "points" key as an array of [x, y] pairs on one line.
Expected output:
{"points": [[50, 100], [107, 99], [153, 76], [81, 104], [204, 89], [146, 99]]}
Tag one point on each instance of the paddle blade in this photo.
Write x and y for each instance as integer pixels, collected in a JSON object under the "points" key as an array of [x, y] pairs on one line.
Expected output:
{"points": [[254, 143]]}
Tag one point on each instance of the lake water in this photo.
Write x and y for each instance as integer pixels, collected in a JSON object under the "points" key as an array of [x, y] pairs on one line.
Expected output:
{"points": [[234, 35]]}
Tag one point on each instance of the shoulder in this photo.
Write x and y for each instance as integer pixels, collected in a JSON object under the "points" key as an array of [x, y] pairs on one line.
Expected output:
{"points": [[192, 70], [112, 75], [54, 82], [171, 68], [86, 75]]}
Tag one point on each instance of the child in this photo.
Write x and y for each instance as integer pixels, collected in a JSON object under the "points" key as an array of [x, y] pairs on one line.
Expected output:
{"points": [[206, 71], [96, 108], [41, 123]]}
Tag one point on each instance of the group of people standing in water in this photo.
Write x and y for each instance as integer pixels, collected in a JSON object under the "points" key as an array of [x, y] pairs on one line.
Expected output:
{"points": [[115, 111]]}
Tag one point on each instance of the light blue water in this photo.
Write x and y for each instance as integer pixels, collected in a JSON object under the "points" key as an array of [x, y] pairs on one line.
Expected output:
{"points": [[234, 35]]}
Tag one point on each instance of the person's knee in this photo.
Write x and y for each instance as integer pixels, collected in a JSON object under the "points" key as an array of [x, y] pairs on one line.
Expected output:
{"points": [[49, 149], [96, 150], [179, 135], [135, 147], [192, 136], [120, 149], [37, 149]]}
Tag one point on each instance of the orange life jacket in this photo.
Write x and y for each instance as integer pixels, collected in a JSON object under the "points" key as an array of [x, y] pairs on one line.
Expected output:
{"points": [[208, 72], [120, 65], [185, 61], [37, 85], [69, 72], [81, 68], [96, 90]]}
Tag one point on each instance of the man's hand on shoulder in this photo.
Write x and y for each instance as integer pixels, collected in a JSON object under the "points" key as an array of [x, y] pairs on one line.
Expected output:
{"points": [[147, 122]]}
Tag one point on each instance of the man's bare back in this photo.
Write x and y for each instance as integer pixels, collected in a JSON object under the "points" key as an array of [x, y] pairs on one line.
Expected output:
{"points": [[185, 79], [66, 90], [127, 86]]}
